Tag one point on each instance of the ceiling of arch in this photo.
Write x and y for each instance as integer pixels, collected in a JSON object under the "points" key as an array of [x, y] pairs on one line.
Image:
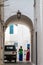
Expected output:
{"points": [[23, 20]]}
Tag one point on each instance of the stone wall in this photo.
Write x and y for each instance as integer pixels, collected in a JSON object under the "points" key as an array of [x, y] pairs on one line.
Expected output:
{"points": [[1, 44]]}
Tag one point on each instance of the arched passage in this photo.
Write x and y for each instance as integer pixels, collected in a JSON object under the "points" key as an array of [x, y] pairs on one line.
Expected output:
{"points": [[25, 21]]}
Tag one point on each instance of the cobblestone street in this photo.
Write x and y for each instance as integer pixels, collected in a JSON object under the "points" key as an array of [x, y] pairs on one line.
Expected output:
{"points": [[19, 63]]}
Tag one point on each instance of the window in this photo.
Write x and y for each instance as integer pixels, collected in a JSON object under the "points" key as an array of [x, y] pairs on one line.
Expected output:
{"points": [[11, 29]]}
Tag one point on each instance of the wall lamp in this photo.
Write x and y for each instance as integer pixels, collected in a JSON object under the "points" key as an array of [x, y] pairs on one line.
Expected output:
{"points": [[18, 14]]}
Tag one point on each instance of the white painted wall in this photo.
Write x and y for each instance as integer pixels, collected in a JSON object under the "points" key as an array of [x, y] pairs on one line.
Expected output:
{"points": [[21, 34], [39, 30], [25, 7]]}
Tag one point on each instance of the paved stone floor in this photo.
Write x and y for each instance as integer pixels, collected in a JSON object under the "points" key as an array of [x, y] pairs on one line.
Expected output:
{"points": [[19, 63]]}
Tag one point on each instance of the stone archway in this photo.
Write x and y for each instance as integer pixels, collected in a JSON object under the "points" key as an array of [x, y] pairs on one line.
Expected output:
{"points": [[25, 21]]}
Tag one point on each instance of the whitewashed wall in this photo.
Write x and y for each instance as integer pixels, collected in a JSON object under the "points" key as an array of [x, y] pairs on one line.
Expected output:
{"points": [[21, 35], [25, 7], [39, 30]]}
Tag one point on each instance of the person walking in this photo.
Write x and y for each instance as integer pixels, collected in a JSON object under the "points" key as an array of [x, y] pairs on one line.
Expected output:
{"points": [[28, 54], [20, 54]]}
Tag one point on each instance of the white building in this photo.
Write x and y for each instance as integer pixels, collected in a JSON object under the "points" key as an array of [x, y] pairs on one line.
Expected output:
{"points": [[33, 9]]}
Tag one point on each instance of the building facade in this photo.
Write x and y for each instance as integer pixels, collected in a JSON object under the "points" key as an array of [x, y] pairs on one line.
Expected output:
{"points": [[34, 11]]}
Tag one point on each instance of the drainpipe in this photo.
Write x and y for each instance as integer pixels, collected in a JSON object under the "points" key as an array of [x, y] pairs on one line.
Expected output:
{"points": [[36, 48]]}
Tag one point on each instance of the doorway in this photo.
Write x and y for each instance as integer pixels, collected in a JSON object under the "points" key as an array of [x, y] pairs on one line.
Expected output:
{"points": [[18, 35]]}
